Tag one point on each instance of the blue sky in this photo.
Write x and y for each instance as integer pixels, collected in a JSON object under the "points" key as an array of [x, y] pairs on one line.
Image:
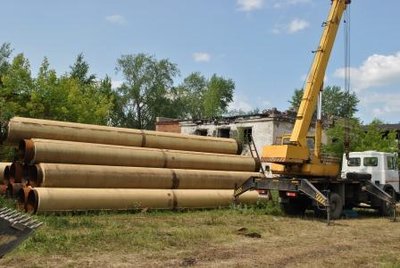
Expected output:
{"points": [[263, 45]]}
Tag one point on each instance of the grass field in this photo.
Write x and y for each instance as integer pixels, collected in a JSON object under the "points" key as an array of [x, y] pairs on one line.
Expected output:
{"points": [[236, 237]]}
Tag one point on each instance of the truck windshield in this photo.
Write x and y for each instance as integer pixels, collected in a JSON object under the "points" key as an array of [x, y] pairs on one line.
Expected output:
{"points": [[370, 161], [354, 162]]}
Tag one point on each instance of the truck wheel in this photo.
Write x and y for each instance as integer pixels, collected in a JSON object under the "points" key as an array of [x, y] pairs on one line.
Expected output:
{"points": [[336, 206], [386, 208]]}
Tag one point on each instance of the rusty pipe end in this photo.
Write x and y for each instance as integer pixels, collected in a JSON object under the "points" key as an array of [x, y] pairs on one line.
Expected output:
{"points": [[26, 150], [17, 171], [6, 175], [13, 188], [32, 201], [22, 196], [34, 175]]}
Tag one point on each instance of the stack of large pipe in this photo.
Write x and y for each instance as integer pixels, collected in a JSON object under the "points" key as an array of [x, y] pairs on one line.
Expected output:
{"points": [[71, 166]]}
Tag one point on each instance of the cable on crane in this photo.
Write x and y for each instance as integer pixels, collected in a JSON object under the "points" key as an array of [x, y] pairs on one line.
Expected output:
{"points": [[347, 81]]}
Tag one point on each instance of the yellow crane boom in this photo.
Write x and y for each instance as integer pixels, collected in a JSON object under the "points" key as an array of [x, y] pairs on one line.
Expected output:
{"points": [[294, 158]]}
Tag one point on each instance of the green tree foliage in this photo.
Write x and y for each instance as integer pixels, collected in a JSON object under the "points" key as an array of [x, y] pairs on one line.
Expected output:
{"points": [[336, 103], [146, 92], [205, 98], [77, 96], [5, 52], [375, 138], [17, 84], [66, 98], [218, 96], [80, 71], [361, 138]]}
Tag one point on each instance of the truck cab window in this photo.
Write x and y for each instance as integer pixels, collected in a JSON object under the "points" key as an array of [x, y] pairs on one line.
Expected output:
{"points": [[370, 161], [354, 162], [391, 162]]}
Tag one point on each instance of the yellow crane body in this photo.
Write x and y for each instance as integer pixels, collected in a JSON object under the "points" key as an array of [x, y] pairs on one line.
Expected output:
{"points": [[295, 158]]}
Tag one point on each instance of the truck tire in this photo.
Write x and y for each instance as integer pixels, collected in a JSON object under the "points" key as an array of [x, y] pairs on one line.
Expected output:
{"points": [[336, 206], [385, 208]]}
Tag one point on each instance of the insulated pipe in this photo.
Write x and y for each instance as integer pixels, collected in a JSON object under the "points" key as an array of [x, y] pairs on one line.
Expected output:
{"points": [[3, 167], [7, 179], [13, 188], [55, 151], [82, 199], [20, 128], [17, 171], [95, 176], [22, 196]]}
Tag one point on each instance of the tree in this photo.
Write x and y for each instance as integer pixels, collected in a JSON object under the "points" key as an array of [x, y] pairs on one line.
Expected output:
{"points": [[218, 96], [146, 91], [336, 103], [17, 84], [361, 138], [45, 96], [80, 71], [375, 138], [205, 98], [5, 52], [190, 95], [15, 89]]}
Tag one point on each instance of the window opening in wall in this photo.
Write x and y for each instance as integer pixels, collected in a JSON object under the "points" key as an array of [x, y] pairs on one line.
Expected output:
{"points": [[247, 134], [201, 132], [224, 132]]}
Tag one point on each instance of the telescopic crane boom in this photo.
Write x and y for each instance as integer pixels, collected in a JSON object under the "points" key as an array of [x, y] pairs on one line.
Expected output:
{"points": [[294, 157], [302, 177]]}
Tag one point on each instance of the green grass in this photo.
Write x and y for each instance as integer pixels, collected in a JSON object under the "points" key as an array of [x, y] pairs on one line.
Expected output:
{"points": [[154, 230], [218, 237]]}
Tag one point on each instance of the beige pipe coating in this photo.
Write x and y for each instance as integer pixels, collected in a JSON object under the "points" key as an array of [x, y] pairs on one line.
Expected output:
{"points": [[20, 128], [95, 176], [55, 151], [82, 199]]}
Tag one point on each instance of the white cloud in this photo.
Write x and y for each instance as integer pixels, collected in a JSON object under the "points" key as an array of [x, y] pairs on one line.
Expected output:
{"points": [[116, 84], [376, 70], [381, 105], [297, 25], [240, 103], [249, 5], [116, 19], [201, 57], [286, 3]]}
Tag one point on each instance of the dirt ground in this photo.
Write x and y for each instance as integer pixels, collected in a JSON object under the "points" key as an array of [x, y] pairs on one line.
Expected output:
{"points": [[209, 239]]}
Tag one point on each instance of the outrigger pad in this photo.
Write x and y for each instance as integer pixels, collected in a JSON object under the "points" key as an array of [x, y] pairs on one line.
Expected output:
{"points": [[15, 227]]}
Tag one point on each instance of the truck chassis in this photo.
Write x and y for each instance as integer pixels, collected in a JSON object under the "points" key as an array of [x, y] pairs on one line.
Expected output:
{"points": [[325, 195]]}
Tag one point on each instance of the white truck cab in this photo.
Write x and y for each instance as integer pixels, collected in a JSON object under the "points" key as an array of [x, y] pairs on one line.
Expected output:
{"points": [[382, 167]]}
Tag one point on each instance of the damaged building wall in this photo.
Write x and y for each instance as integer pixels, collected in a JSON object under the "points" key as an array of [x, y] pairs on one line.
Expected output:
{"points": [[265, 129]]}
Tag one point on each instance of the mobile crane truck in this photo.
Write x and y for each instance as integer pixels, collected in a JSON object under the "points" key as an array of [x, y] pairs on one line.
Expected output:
{"points": [[306, 179]]}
